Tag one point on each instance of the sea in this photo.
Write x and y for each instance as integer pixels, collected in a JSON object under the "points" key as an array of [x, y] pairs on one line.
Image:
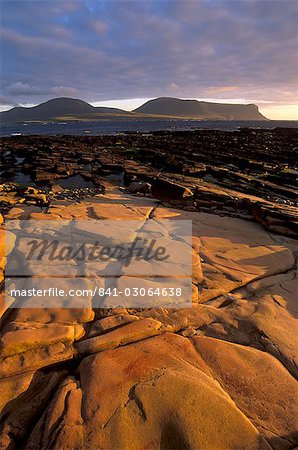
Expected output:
{"points": [[142, 126]]}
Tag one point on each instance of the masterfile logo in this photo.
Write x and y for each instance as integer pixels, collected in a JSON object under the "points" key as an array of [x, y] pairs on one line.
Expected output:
{"points": [[106, 263]]}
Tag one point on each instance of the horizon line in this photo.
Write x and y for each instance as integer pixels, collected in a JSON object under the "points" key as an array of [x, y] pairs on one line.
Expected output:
{"points": [[139, 101]]}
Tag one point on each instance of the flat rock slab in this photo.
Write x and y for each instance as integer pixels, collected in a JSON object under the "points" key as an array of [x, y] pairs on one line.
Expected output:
{"points": [[259, 385], [22, 340], [132, 332], [135, 378]]}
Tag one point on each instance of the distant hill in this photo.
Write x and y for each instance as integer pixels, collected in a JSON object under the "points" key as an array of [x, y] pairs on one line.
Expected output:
{"points": [[54, 108], [73, 109], [197, 109]]}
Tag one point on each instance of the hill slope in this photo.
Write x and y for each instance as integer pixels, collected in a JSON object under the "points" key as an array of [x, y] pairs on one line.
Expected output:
{"points": [[72, 109], [202, 110], [54, 108]]}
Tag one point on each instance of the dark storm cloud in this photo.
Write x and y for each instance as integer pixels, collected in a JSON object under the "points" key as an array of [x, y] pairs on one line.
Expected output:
{"points": [[102, 50]]}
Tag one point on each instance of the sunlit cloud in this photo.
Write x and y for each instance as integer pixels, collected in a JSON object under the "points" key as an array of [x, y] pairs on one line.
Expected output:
{"points": [[220, 89]]}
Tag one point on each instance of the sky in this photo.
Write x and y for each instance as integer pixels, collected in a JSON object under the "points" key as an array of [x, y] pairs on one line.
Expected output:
{"points": [[123, 52]]}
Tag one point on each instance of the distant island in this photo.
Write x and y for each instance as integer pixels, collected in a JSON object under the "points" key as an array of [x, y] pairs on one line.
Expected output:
{"points": [[200, 110], [69, 109]]}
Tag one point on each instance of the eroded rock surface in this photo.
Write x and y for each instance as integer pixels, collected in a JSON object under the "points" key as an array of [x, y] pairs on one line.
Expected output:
{"points": [[250, 173], [219, 375]]}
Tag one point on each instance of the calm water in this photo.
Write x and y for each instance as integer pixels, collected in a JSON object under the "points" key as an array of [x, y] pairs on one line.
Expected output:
{"points": [[94, 128], [74, 182]]}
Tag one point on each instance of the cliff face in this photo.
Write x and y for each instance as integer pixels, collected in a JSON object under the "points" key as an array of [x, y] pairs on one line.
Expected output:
{"points": [[202, 110]]}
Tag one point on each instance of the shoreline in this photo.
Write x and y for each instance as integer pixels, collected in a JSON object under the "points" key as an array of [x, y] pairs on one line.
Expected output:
{"points": [[239, 174], [111, 127]]}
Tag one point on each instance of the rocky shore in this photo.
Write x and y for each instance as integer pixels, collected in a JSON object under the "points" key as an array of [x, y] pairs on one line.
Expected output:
{"points": [[219, 375], [249, 174]]}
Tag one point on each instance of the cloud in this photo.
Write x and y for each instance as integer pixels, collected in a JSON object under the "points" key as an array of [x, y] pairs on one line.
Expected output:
{"points": [[220, 89], [19, 88], [64, 91], [7, 101], [99, 27], [174, 87], [23, 89], [105, 50], [59, 31]]}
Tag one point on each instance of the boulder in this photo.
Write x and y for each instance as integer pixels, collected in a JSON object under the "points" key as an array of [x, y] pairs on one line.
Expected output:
{"points": [[156, 393]]}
